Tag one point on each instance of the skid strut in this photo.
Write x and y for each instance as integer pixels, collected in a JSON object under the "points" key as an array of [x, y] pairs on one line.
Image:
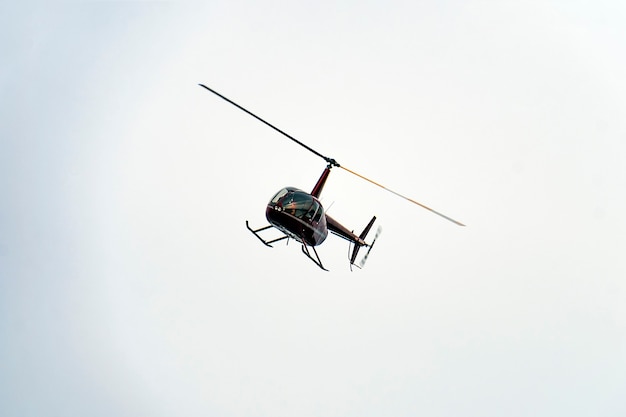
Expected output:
{"points": [[316, 260]]}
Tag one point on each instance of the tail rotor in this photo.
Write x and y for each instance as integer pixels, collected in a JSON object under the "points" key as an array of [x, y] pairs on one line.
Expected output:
{"points": [[367, 254], [360, 242]]}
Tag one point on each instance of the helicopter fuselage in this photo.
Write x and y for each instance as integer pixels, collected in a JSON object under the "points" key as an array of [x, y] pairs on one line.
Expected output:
{"points": [[299, 215]]}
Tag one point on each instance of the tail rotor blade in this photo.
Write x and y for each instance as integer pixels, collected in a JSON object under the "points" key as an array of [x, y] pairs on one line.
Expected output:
{"points": [[401, 196], [367, 254]]}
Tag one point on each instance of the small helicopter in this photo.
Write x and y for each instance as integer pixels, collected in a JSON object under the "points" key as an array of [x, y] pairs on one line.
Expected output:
{"points": [[300, 215]]}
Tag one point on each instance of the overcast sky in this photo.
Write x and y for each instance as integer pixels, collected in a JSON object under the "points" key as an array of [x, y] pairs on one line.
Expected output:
{"points": [[129, 285]]}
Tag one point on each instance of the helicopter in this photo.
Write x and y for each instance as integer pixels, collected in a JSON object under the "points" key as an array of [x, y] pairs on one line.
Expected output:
{"points": [[299, 215]]}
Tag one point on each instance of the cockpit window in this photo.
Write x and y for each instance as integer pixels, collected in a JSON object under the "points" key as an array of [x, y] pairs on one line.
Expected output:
{"points": [[303, 206], [317, 215], [298, 203], [279, 195]]}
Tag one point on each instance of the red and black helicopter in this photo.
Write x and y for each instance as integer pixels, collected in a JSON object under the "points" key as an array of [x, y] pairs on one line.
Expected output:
{"points": [[300, 215]]}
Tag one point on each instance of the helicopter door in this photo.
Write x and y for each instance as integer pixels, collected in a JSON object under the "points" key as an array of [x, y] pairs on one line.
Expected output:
{"points": [[315, 212]]}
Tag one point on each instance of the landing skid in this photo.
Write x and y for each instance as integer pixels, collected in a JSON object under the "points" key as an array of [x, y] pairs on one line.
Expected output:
{"points": [[255, 232], [268, 243]]}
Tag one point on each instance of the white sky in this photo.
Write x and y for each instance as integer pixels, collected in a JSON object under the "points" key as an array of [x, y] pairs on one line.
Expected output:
{"points": [[128, 282]]}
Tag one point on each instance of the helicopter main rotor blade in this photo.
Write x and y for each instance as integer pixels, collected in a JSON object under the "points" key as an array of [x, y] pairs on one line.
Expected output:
{"points": [[401, 196], [330, 161], [325, 158]]}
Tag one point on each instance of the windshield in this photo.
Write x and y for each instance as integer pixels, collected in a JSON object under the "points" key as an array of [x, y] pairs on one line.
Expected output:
{"points": [[279, 195], [298, 204]]}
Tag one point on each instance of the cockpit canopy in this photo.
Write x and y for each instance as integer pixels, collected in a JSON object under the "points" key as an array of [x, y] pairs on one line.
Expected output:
{"points": [[298, 203]]}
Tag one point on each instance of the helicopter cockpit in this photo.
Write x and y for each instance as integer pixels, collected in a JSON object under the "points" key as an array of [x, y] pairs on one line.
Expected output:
{"points": [[297, 203]]}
